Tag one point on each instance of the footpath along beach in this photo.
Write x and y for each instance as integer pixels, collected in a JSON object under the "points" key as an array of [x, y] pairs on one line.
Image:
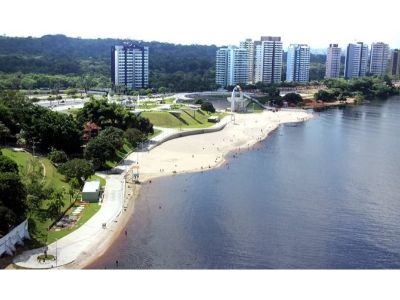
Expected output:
{"points": [[191, 153]]}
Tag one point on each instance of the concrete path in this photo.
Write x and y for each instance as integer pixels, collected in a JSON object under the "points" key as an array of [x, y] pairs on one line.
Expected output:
{"points": [[71, 246]]}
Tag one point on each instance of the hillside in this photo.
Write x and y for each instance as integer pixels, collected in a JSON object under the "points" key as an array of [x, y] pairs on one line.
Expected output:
{"points": [[86, 62], [178, 67]]}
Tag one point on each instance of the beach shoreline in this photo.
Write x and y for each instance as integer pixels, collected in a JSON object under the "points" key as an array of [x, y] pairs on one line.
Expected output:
{"points": [[183, 155], [169, 156]]}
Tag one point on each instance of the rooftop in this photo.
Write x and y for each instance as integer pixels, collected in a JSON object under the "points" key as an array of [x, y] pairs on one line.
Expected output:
{"points": [[91, 186]]}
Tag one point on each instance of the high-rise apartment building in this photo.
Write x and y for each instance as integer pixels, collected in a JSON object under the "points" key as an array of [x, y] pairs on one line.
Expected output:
{"points": [[356, 60], [298, 63], [379, 59], [395, 63], [130, 65], [221, 67], [268, 60], [231, 66], [248, 44], [333, 56]]}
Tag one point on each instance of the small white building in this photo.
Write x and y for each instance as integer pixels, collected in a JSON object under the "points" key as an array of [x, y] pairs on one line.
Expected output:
{"points": [[91, 191]]}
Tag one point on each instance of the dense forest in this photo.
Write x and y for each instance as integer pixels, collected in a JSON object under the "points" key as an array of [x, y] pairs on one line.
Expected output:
{"points": [[177, 67], [57, 61]]}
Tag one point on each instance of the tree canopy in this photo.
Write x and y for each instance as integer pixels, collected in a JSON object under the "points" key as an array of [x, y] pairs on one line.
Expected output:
{"points": [[105, 114], [13, 196], [364, 87], [66, 60], [77, 168], [292, 98]]}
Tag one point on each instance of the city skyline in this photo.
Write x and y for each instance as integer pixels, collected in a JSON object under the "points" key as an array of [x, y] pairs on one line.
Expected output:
{"points": [[195, 23]]}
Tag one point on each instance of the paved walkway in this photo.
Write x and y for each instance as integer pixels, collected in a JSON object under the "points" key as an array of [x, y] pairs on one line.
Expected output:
{"points": [[68, 248], [71, 246]]}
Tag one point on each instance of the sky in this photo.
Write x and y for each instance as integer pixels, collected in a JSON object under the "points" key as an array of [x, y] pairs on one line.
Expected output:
{"points": [[316, 23]]}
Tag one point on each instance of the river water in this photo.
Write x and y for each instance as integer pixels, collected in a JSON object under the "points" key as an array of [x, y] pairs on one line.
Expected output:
{"points": [[321, 195]]}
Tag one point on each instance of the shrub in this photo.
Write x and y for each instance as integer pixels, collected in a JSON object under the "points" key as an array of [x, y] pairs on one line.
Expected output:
{"points": [[207, 106], [57, 156]]}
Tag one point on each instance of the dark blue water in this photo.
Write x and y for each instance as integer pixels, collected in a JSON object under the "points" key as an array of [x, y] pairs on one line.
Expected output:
{"points": [[325, 194]]}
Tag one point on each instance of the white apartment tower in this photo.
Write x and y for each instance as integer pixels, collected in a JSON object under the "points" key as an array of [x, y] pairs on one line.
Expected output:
{"points": [[221, 67], [268, 60], [333, 56], [231, 66], [379, 59], [356, 60], [298, 63], [248, 44], [130, 66]]}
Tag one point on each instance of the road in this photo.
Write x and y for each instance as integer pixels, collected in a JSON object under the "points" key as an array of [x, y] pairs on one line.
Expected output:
{"points": [[61, 105]]}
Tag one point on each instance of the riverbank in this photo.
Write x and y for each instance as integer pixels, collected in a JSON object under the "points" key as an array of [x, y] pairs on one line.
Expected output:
{"points": [[196, 153], [324, 105], [187, 154], [202, 152], [282, 205]]}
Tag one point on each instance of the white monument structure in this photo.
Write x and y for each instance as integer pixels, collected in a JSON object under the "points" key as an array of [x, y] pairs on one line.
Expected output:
{"points": [[238, 102]]}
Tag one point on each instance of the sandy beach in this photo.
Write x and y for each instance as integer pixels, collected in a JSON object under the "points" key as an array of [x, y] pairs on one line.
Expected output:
{"points": [[205, 151], [192, 153]]}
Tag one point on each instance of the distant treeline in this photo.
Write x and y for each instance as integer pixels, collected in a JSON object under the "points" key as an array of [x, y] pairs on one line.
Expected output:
{"points": [[176, 67], [57, 61]]}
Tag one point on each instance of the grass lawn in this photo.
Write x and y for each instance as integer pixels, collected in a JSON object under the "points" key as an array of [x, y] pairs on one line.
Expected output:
{"points": [[187, 119], [161, 118], [101, 179], [156, 132], [73, 111], [169, 100], [254, 107], [52, 179], [87, 213]]}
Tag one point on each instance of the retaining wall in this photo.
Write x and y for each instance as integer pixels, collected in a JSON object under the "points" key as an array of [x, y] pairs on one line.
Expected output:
{"points": [[13, 238]]}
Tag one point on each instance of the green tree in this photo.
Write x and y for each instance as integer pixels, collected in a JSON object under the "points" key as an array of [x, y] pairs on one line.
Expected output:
{"points": [[51, 129], [13, 206], [162, 90], [134, 136], [292, 98], [98, 151], [74, 184], [7, 165], [56, 204], [106, 114], [8, 219], [77, 168], [149, 92], [4, 133], [113, 135], [57, 156], [74, 187]]}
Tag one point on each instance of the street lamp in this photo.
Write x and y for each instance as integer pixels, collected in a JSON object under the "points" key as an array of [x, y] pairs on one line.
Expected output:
{"points": [[56, 254], [33, 146]]}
